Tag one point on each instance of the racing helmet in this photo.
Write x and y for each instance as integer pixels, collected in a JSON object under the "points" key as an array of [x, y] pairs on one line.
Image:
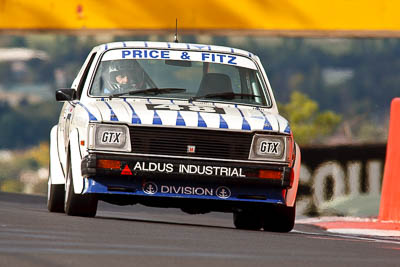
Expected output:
{"points": [[125, 74]]}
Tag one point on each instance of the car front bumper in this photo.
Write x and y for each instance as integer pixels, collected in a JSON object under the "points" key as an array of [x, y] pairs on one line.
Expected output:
{"points": [[184, 179]]}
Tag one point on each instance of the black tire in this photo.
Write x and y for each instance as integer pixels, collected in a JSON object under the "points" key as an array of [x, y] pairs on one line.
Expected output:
{"points": [[280, 219], [78, 205], [248, 219], [55, 197]]}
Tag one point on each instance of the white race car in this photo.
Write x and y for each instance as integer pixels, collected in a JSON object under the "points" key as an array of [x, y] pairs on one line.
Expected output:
{"points": [[179, 125]]}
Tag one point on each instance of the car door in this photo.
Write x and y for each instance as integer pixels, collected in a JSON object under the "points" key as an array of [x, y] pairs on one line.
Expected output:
{"points": [[67, 111]]}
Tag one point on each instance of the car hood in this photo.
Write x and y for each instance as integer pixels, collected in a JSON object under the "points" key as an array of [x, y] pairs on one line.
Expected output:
{"points": [[183, 113]]}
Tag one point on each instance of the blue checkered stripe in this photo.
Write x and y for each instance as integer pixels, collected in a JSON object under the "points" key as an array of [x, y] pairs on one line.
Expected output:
{"points": [[232, 117]]}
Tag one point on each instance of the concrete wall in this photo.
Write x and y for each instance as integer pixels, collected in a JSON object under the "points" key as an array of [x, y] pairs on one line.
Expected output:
{"points": [[330, 173]]}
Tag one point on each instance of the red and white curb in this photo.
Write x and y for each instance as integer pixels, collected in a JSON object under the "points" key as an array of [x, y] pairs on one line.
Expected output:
{"points": [[355, 226]]}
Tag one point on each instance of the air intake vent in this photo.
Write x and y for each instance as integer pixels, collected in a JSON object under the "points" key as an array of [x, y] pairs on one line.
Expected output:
{"points": [[190, 142]]}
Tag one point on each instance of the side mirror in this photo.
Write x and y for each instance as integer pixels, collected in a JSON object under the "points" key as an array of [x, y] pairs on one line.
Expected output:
{"points": [[66, 94]]}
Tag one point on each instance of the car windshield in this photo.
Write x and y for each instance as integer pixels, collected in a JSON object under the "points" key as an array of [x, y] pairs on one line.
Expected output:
{"points": [[171, 74]]}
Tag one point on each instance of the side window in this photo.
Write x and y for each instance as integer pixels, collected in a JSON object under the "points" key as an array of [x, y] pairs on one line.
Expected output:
{"points": [[84, 76]]}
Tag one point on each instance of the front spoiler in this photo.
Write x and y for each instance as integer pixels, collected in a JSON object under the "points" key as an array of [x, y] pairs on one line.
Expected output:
{"points": [[184, 186]]}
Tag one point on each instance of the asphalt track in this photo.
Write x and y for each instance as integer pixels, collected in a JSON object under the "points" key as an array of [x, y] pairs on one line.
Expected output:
{"points": [[142, 236]]}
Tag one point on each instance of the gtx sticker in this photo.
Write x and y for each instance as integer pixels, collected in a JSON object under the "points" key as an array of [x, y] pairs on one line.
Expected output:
{"points": [[205, 109], [111, 137], [267, 147]]}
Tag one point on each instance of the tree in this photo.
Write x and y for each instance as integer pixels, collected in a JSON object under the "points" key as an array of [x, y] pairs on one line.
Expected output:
{"points": [[309, 125]]}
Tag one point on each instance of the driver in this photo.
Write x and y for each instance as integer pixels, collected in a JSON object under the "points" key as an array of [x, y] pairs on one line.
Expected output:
{"points": [[124, 76]]}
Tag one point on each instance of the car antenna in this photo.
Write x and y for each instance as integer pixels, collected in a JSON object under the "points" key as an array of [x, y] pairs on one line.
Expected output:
{"points": [[176, 31]]}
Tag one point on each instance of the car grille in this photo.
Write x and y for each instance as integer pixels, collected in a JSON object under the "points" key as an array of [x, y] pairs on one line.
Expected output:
{"points": [[175, 142]]}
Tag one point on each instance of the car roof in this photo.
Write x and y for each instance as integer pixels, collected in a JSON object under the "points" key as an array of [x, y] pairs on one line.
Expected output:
{"points": [[173, 45]]}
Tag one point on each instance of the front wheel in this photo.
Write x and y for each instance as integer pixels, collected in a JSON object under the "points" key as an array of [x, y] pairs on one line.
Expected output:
{"points": [[78, 205], [280, 219], [247, 219], [55, 196]]}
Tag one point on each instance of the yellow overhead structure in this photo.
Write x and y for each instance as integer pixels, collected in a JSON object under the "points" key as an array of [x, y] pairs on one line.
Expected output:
{"points": [[265, 17]]}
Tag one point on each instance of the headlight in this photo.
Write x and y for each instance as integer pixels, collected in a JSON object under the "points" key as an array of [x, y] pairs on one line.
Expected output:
{"points": [[268, 147], [109, 137]]}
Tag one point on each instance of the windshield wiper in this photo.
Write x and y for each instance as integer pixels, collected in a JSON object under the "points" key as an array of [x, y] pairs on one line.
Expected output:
{"points": [[154, 91], [226, 95]]}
